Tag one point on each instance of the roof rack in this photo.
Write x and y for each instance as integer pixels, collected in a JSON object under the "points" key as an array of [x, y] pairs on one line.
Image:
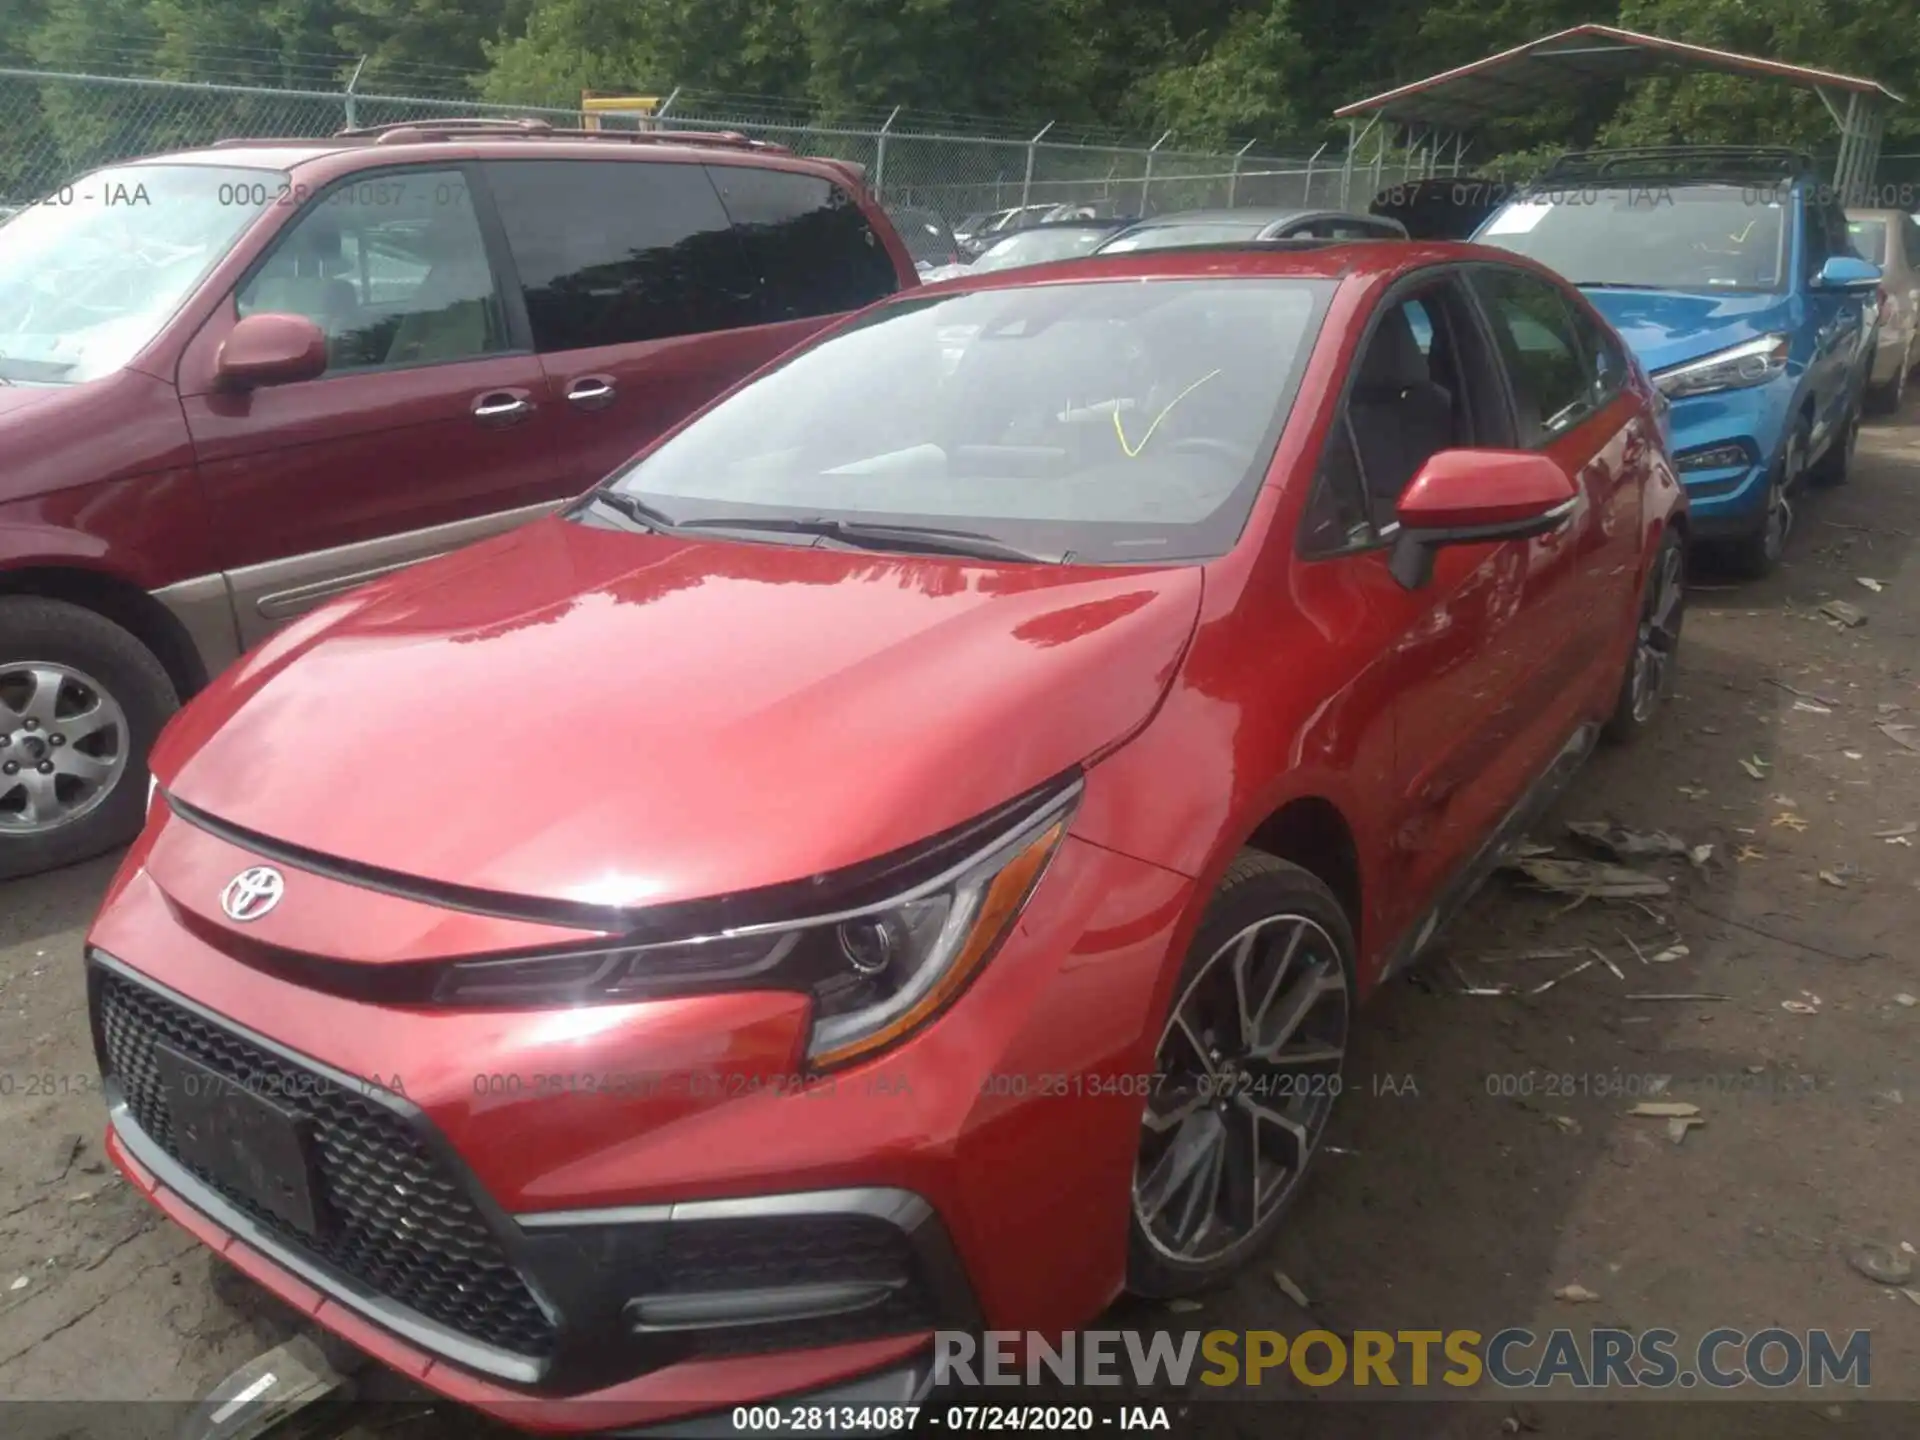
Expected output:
{"points": [[1683, 162], [411, 132]]}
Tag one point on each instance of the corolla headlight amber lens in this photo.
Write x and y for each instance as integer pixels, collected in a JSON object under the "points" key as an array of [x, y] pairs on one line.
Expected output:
{"points": [[874, 975]]}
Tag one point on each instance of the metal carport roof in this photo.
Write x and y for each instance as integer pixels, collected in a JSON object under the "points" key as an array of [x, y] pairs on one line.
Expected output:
{"points": [[1514, 81]]}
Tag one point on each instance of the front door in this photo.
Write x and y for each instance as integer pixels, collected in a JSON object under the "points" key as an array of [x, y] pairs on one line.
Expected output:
{"points": [[430, 428]]}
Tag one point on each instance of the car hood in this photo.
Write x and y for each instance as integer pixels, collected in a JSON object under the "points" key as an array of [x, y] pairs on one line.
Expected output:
{"points": [[1671, 327], [605, 718]]}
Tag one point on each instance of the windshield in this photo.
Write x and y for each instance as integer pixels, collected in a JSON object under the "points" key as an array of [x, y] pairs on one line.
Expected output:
{"points": [[1105, 420], [1034, 247], [90, 274], [1690, 237], [1869, 239], [1167, 237]]}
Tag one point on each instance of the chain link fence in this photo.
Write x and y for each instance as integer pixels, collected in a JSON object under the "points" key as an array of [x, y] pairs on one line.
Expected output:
{"points": [[54, 126]]}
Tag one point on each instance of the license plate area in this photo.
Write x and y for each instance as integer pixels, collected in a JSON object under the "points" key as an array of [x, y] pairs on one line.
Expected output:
{"points": [[245, 1141]]}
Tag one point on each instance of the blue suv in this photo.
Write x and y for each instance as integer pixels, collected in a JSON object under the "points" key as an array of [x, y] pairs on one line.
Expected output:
{"points": [[1730, 274]]}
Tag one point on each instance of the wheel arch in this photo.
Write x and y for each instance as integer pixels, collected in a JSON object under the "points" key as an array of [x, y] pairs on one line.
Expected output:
{"points": [[127, 605], [1311, 831]]}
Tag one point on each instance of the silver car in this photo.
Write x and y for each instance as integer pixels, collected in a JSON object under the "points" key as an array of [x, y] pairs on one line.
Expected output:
{"points": [[1891, 240]]}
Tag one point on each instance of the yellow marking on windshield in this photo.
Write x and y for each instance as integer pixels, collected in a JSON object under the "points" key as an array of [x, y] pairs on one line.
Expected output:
{"points": [[1133, 451], [1745, 230]]}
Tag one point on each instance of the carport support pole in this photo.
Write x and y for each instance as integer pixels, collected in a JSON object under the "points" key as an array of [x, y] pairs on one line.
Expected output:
{"points": [[1346, 167], [1306, 196], [1233, 179], [353, 80], [1026, 185], [880, 157], [1146, 181]]}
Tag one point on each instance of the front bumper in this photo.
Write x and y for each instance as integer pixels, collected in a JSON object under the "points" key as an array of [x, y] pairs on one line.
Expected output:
{"points": [[650, 1255], [1739, 435]]}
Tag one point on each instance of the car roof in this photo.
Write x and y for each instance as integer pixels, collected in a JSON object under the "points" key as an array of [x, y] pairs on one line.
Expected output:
{"points": [[1050, 225], [430, 142], [1256, 215]]}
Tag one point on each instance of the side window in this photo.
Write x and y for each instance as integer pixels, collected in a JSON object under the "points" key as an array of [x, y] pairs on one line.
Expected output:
{"points": [[617, 252], [1534, 328], [808, 247], [1606, 360], [1813, 225], [392, 268], [1336, 515], [1910, 228]]}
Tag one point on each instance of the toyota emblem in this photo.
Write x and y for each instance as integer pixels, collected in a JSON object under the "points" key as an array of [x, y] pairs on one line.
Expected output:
{"points": [[252, 893]]}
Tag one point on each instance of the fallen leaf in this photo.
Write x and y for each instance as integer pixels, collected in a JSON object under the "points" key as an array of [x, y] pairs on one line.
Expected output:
{"points": [[1665, 1109], [1800, 1007], [1755, 768], [1669, 955], [1748, 852], [1575, 1294], [1787, 820], [1828, 877]]}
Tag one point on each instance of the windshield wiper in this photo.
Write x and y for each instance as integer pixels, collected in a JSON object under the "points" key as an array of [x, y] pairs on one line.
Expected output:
{"points": [[920, 538], [631, 508]]}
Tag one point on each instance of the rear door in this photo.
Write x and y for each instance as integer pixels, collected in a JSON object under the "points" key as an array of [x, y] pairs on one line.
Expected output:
{"points": [[647, 298], [429, 428]]}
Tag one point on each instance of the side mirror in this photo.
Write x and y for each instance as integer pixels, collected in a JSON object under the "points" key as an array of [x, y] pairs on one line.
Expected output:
{"points": [[1468, 497], [1848, 272], [269, 349]]}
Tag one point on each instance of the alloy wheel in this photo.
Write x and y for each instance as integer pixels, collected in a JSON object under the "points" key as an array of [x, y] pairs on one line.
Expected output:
{"points": [[63, 745], [1659, 635], [1249, 1066]]}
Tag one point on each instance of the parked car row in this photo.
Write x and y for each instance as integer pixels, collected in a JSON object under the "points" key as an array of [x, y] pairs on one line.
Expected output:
{"points": [[1007, 734]]}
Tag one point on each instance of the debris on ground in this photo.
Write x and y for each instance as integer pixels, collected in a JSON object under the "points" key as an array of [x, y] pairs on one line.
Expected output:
{"points": [[1588, 879], [1575, 1294], [1678, 1126], [1898, 832], [1787, 820], [19, 1284], [1755, 766], [1881, 1264], [1845, 616], [1292, 1291], [1801, 694], [1811, 708], [1692, 792], [1749, 852], [1601, 956], [1703, 995], [1700, 855], [1869, 583], [1183, 1306], [1898, 734], [1809, 1004], [1665, 1110], [1547, 985], [1625, 844], [1566, 1123], [1828, 877], [1906, 1001], [1669, 955]]}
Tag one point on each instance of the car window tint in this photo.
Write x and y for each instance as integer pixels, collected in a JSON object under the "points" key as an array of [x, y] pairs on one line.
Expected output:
{"points": [[1336, 515], [808, 247], [392, 268], [1534, 327], [618, 252]]}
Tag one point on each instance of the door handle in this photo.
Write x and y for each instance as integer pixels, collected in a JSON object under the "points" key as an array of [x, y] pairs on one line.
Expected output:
{"points": [[591, 392], [502, 407]]}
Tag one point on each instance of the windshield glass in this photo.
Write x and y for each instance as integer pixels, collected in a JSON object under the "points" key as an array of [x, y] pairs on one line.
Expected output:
{"points": [[1034, 247], [1106, 420], [1689, 237], [90, 274], [1166, 237], [1870, 239]]}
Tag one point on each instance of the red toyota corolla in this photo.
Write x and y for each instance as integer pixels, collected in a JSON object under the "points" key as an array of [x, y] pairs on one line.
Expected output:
{"points": [[904, 853]]}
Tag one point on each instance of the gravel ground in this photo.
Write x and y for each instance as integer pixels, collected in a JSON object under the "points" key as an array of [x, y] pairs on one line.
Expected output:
{"points": [[1483, 1158]]}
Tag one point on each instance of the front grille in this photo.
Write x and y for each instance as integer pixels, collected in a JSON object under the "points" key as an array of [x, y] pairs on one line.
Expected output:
{"points": [[773, 1251], [406, 1229]]}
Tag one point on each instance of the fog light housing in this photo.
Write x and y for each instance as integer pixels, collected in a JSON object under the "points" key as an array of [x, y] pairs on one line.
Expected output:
{"points": [[1713, 457]]}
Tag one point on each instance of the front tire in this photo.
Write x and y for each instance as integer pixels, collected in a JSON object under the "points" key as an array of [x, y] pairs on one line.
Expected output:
{"points": [[1250, 1063], [81, 701], [1656, 642], [1755, 554]]}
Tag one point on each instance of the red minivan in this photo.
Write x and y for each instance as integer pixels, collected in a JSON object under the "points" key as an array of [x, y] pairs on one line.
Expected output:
{"points": [[237, 381]]}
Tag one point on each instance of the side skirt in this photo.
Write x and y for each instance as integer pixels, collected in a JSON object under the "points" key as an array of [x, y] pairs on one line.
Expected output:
{"points": [[1539, 797]]}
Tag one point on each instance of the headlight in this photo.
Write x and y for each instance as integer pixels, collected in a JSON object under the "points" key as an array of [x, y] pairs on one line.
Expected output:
{"points": [[874, 974], [1753, 363]]}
